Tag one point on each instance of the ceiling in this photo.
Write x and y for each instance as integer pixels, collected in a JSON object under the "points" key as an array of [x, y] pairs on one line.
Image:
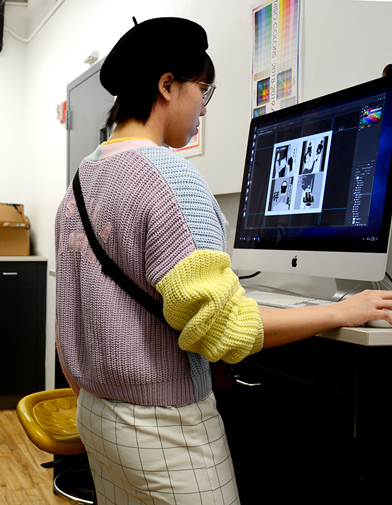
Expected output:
{"points": [[22, 17]]}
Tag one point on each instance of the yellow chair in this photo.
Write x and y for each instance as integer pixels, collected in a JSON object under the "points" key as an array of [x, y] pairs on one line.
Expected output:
{"points": [[49, 420]]}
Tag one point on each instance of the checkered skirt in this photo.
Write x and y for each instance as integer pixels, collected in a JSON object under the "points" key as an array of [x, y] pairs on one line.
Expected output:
{"points": [[143, 455]]}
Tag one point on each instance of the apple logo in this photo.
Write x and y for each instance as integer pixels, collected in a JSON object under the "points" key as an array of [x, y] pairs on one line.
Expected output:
{"points": [[294, 262]]}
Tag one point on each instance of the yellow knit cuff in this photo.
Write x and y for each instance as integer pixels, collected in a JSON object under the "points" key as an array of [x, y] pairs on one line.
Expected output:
{"points": [[202, 298]]}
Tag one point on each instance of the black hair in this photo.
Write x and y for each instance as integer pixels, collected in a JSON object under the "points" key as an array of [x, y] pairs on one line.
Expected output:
{"points": [[137, 101]]}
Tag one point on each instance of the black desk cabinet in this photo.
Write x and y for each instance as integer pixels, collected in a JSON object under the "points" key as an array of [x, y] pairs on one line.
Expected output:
{"points": [[22, 329], [318, 426]]}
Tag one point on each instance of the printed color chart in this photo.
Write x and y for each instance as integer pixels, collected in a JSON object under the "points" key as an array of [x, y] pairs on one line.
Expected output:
{"points": [[263, 40], [275, 55], [263, 88], [285, 82], [288, 33]]}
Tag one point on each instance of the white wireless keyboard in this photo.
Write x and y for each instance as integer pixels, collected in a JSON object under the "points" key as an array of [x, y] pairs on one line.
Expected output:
{"points": [[284, 301]]}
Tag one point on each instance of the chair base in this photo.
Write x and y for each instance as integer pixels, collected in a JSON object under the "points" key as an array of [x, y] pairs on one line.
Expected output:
{"points": [[75, 484]]}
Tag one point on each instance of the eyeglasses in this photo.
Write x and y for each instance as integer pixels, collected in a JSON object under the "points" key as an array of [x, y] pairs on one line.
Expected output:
{"points": [[207, 93]]}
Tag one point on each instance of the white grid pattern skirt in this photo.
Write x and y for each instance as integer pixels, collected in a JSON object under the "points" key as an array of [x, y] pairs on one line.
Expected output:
{"points": [[142, 455]]}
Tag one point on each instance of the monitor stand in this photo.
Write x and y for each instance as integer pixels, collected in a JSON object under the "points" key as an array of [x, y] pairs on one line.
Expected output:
{"points": [[346, 288]]}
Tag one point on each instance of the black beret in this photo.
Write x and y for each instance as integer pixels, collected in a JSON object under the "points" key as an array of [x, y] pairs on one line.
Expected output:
{"points": [[150, 49]]}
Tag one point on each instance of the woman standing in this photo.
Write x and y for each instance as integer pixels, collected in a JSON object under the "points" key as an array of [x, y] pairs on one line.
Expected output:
{"points": [[146, 413]]}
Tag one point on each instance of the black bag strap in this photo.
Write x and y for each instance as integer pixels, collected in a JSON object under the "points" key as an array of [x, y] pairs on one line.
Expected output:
{"points": [[109, 267]]}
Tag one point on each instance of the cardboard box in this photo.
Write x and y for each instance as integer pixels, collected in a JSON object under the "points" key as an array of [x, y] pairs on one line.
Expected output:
{"points": [[14, 230]]}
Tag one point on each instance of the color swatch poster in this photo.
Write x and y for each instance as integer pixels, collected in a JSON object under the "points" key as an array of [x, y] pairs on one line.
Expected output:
{"points": [[275, 55]]}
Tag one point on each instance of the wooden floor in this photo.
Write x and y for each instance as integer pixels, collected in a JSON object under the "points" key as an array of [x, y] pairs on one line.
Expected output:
{"points": [[22, 480]]}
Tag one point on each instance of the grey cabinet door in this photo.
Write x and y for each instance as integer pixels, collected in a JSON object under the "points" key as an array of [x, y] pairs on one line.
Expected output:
{"points": [[88, 104]]}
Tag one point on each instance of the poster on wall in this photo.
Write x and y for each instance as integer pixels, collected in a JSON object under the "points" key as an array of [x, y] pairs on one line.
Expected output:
{"points": [[275, 55]]}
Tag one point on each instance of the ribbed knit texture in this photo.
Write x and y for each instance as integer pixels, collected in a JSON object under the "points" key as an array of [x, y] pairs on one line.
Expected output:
{"points": [[151, 210], [199, 208], [204, 300]]}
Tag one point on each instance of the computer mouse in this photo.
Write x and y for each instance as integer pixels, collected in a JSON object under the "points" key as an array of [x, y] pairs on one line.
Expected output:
{"points": [[379, 323]]}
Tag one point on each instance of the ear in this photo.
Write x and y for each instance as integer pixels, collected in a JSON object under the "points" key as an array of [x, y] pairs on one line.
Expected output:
{"points": [[164, 84]]}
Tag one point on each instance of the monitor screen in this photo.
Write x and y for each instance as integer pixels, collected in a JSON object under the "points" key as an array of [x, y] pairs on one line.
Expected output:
{"points": [[315, 196]]}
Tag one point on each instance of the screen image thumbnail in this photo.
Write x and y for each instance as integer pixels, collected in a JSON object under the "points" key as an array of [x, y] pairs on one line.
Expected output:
{"points": [[297, 175], [370, 116]]}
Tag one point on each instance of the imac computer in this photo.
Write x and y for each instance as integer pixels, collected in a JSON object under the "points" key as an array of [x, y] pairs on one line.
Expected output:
{"points": [[316, 194]]}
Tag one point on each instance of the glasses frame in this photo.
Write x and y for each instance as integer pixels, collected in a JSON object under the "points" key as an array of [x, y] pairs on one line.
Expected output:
{"points": [[207, 93]]}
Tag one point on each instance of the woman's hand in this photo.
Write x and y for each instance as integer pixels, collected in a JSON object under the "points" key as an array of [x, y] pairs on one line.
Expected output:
{"points": [[366, 306], [282, 326]]}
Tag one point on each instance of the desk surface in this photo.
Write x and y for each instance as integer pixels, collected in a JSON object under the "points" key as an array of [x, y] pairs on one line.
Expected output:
{"points": [[362, 335], [22, 258]]}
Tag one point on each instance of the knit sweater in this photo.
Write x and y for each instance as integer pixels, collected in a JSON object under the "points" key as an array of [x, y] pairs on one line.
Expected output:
{"points": [[155, 216]]}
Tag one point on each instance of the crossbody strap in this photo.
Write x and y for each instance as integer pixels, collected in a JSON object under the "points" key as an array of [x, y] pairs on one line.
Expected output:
{"points": [[109, 267]]}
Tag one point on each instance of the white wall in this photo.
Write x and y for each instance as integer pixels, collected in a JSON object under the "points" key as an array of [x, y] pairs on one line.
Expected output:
{"points": [[12, 121], [344, 42]]}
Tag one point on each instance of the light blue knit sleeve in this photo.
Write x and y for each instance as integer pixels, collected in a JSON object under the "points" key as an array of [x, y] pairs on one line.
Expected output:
{"points": [[199, 207]]}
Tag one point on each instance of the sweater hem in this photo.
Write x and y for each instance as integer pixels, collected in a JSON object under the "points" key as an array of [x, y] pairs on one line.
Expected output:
{"points": [[171, 393]]}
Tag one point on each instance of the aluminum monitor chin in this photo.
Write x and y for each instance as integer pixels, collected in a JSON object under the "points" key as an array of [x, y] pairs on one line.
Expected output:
{"points": [[316, 193]]}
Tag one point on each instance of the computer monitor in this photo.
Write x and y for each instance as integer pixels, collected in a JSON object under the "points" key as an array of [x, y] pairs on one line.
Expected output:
{"points": [[316, 194]]}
